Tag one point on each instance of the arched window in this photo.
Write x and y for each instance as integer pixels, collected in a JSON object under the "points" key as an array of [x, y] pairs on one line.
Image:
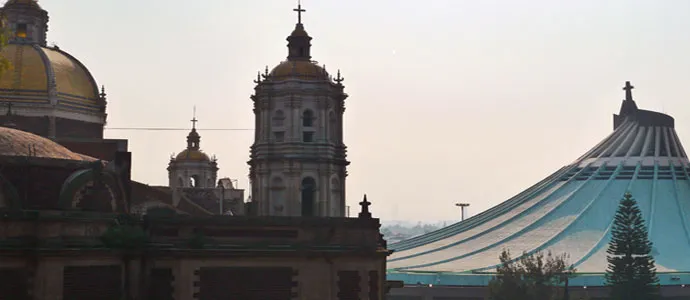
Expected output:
{"points": [[308, 118], [194, 181], [332, 127], [308, 196], [336, 196], [278, 118], [277, 197]]}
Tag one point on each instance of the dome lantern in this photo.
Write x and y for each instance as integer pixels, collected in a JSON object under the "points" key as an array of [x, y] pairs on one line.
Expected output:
{"points": [[27, 21], [299, 42]]}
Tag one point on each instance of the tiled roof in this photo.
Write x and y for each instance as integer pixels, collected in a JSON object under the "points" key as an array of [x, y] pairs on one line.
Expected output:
{"points": [[15, 142], [144, 193]]}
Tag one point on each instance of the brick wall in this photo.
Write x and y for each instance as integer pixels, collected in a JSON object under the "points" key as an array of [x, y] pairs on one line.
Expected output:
{"points": [[64, 128], [101, 149], [77, 129], [36, 125]]}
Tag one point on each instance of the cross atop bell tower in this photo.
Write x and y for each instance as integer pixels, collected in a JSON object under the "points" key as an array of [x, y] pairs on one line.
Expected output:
{"points": [[194, 120], [299, 42], [299, 11]]}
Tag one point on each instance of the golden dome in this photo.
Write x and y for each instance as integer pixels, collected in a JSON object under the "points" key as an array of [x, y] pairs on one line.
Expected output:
{"points": [[38, 72], [32, 3], [15, 142], [192, 155], [300, 69]]}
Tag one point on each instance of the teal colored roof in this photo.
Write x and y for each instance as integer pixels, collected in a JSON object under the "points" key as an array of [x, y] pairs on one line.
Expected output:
{"points": [[571, 211]]}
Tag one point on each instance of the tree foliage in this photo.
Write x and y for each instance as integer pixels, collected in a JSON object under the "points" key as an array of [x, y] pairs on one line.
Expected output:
{"points": [[4, 35], [531, 277], [125, 234], [631, 273]]}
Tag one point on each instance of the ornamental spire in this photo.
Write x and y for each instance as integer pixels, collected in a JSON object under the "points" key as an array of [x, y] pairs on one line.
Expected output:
{"points": [[193, 139]]}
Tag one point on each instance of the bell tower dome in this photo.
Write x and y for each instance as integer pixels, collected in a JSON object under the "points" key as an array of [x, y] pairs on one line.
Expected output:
{"points": [[298, 159], [192, 168]]}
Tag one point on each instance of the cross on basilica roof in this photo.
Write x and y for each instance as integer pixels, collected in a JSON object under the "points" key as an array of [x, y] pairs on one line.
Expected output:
{"points": [[628, 91]]}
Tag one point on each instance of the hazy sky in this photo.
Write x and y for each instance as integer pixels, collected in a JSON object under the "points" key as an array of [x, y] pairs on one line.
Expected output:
{"points": [[450, 100]]}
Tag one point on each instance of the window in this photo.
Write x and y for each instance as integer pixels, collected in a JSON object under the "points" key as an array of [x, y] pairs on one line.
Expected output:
{"points": [[308, 137], [21, 31], [194, 181], [308, 196], [308, 118], [278, 118], [279, 136]]}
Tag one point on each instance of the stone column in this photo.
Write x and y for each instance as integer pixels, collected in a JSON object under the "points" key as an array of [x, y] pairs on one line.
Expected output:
{"points": [[184, 280], [293, 193], [324, 192], [48, 280]]}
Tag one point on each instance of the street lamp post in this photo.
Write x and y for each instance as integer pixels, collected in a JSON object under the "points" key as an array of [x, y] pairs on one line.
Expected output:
{"points": [[462, 209]]}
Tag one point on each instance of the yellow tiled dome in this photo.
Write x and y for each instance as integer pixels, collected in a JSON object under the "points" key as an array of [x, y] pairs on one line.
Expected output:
{"points": [[192, 155], [302, 69], [37, 71]]}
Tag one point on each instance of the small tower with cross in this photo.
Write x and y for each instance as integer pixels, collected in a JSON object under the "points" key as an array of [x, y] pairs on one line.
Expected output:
{"points": [[192, 167]]}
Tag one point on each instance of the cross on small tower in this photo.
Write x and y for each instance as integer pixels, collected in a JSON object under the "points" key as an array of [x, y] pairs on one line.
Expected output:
{"points": [[299, 11], [194, 120], [628, 91]]}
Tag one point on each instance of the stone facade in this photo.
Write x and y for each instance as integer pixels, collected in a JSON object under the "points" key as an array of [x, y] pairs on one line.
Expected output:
{"points": [[193, 258]]}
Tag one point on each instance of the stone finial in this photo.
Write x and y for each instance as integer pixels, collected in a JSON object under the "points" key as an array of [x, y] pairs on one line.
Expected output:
{"points": [[339, 79], [364, 213], [9, 121]]}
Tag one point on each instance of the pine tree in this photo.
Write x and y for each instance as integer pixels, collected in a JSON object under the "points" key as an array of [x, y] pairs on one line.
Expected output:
{"points": [[631, 274]]}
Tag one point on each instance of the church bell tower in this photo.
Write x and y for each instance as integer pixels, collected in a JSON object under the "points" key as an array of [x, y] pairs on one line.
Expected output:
{"points": [[298, 159]]}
